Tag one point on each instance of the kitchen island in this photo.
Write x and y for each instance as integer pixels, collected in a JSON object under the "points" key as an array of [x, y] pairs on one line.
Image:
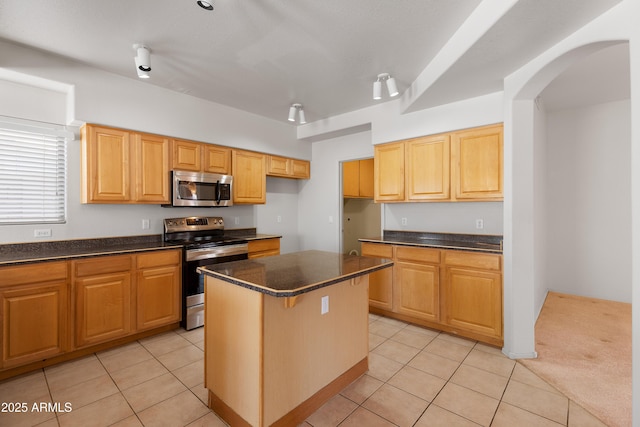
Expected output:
{"points": [[283, 334]]}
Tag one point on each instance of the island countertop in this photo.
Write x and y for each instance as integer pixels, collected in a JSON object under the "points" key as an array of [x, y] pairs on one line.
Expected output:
{"points": [[296, 273]]}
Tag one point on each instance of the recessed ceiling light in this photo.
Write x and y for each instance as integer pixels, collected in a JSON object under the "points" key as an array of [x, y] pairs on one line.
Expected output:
{"points": [[205, 4]]}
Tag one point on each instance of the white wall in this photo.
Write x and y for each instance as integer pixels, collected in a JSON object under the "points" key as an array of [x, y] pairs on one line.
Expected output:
{"points": [[589, 201], [320, 200], [38, 86], [540, 203]]}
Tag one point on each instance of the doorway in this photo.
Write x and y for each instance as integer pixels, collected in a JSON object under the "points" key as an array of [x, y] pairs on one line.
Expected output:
{"points": [[360, 214]]}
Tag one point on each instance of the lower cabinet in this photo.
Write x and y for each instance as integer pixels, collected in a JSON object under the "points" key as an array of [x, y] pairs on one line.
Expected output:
{"points": [[51, 308], [264, 247], [380, 282], [33, 312], [455, 291], [157, 293], [102, 294], [417, 282], [473, 292]]}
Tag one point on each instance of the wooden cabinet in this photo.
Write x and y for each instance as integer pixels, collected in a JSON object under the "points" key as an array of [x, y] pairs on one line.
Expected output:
{"points": [[158, 289], [380, 282], [102, 295], [389, 172], [288, 168], [264, 247], [357, 179], [416, 290], [249, 177], [473, 292], [459, 166], [200, 157], [455, 291], [427, 172], [477, 163], [120, 166], [34, 307], [151, 168], [106, 165]]}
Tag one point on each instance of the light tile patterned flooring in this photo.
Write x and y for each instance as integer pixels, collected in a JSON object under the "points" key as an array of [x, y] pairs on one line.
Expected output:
{"points": [[417, 377]]}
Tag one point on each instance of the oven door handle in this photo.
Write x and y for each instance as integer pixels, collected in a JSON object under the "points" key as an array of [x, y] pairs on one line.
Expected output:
{"points": [[216, 252]]}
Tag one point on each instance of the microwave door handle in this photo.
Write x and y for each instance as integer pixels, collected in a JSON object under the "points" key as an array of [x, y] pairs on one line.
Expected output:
{"points": [[218, 192]]}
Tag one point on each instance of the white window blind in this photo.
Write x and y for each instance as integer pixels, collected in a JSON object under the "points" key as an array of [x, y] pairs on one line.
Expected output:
{"points": [[33, 169]]}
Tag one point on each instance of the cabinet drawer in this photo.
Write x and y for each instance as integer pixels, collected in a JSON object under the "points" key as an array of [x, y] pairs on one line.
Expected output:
{"points": [[263, 245], [379, 250], [33, 273], [158, 258], [103, 264], [473, 260], [420, 255]]}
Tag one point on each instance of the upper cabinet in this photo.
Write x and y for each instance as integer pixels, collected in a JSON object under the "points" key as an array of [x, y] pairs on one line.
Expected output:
{"points": [[288, 168], [249, 178], [477, 163], [458, 166], [120, 166], [357, 179], [200, 157]]}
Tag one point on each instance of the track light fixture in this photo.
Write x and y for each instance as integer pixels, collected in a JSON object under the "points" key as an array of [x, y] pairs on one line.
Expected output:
{"points": [[391, 86], [292, 114], [143, 60], [206, 5]]}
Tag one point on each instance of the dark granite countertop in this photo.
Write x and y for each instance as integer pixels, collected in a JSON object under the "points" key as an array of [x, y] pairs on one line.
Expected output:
{"points": [[468, 242], [19, 253], [295, 273]]}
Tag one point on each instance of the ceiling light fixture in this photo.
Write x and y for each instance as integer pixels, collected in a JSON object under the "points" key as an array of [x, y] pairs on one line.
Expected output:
{"points": [[391, 86], [143, 60], [292, 114], [206, 5]]}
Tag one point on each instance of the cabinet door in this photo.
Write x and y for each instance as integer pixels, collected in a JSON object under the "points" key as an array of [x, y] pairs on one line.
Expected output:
{"points": [[389, 172], [249, 177], [351, 179], [158, 297], [427, 171], [217, 159], [106, 166], [366, 178], [477, 163], [279, 166], [151, 168], [380, 282], [187, 155], [103, 308], [416, 290], [300, 168], [34, 322], [473, 300]]}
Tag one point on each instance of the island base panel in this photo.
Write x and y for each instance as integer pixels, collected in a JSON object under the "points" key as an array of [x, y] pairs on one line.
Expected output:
{"points": [[302, 411]]}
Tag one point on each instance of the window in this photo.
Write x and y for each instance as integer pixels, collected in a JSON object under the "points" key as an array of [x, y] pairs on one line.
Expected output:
{"points": [[33, 172]]}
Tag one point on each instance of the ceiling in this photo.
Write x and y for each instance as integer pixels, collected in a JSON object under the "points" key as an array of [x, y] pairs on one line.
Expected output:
{"points": [[261, 56]]}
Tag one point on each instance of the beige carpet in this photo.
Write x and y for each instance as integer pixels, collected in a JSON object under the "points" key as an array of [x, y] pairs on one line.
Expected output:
{"points": [[584, 350]]}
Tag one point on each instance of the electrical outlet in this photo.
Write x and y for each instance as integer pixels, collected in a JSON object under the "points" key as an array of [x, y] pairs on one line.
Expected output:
{"points": [[279, 219], [145, 224], [42, 232], [479, 224], [404, 221], [236, 220], [324, 309], [330, 219]]}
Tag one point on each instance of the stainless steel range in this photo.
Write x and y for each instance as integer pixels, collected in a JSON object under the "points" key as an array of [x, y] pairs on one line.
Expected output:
{"points": [[204, 243]]}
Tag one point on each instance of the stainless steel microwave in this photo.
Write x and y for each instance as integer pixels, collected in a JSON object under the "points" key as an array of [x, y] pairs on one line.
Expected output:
{"points": [[201, 189]]}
